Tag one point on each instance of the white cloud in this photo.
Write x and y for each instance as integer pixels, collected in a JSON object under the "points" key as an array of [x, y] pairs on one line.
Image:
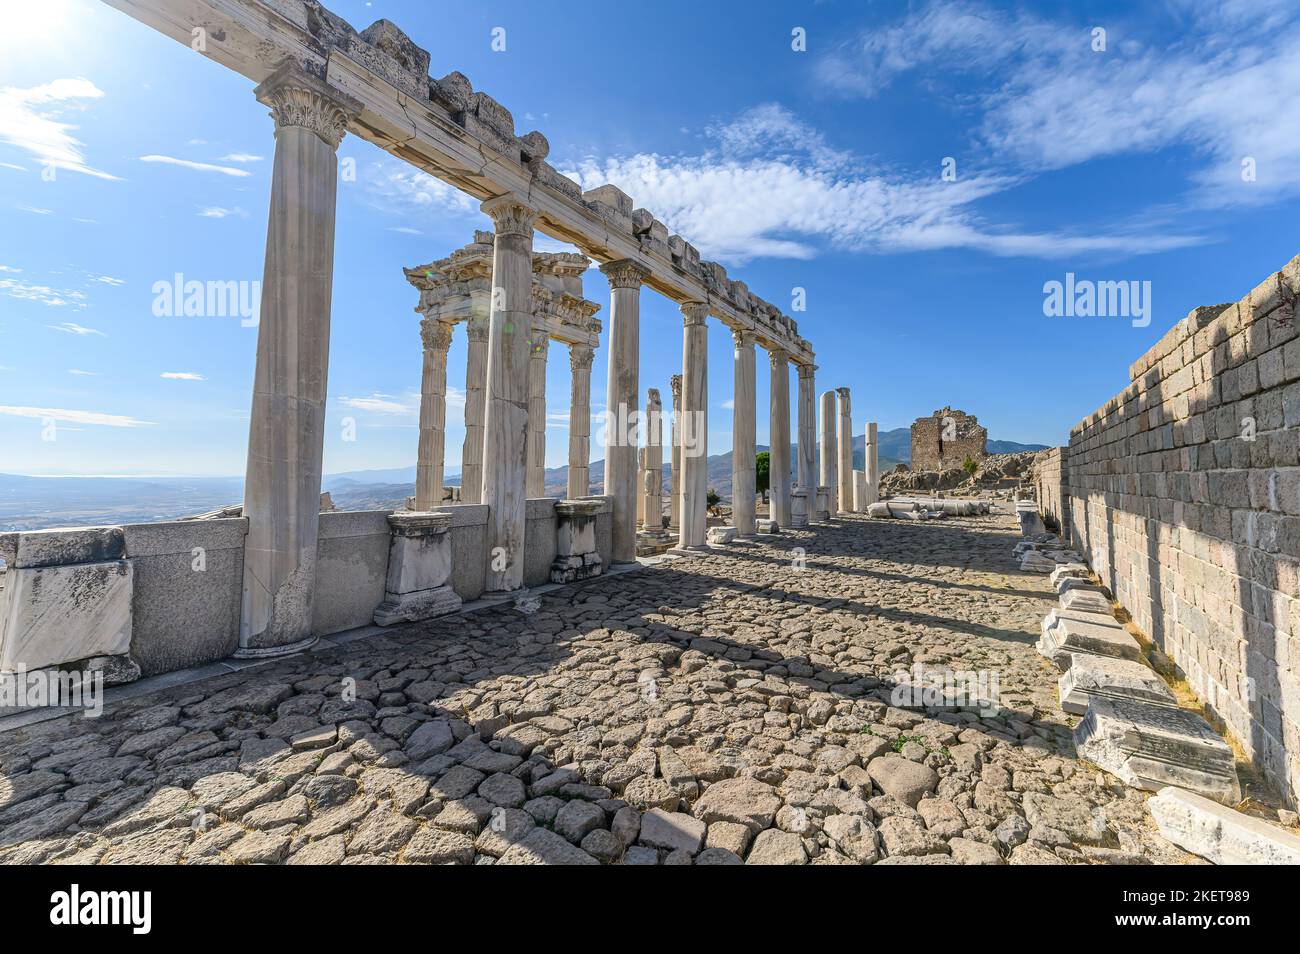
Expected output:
{"points": [[728, 405], [241, 157], [182, 376], [398, 188], [405, 230], [378, 403], [455, 396], [108, 280], [218, 212], [196, 166], [74, 417], [41, 293], [31, 120], [9, 268], [80, 373], [72, 328]]}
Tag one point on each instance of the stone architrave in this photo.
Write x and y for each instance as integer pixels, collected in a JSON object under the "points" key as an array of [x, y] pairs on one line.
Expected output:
{"points": [[287, 422], [830, 452], [743, 435], [505, 433], [419, 566], [436, 336], [622, 401], [779, 431], [694, 425], [845, 462], [576, 556], [580, 360], [471, 468], [1150, 747], [675, 475], [538, 350]]}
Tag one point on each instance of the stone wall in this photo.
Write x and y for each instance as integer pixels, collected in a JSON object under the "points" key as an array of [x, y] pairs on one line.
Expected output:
{"points": [[1052, 486], [945, 439], [1185, 498]]}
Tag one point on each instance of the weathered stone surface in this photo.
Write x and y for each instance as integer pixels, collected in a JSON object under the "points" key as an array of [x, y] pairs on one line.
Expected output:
{"points": [[774, 847], [1106, 677], [1220, 834], [906, 780], [744, 801], [672, 830], [1068, 632], [542, 847]]}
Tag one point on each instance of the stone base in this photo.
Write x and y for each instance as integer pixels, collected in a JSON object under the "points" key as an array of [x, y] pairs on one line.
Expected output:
{"points": [[1090, 601], [412, 607], [717, 535], [1105, 677], [1065, 633], [1219, 834], [570, 569], [272, 652], [1072, 571], [766, 526], [1150, 747]]}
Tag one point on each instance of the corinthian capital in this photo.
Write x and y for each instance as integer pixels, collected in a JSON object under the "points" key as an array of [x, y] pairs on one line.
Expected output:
{"points": [[625, 273], [509, 215], [297, 98], [806, 371], [694, 312], [580, 357], [675, 382], [777, 359], [435, 334], [742, 338]]}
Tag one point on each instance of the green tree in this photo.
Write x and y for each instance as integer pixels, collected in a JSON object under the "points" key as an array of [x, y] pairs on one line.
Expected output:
{"points": [[762, 473], [970, 465], [711, 498]]}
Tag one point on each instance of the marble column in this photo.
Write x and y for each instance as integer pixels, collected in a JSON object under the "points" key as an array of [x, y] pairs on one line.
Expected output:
{"points": [[872, 465], [538, 350], [471, 461], [642, 467], [694, 425], [580, 358], [830, 451], [743, 435], [621, 401], [806, 476], [505, 428], [675, 476], [845, 463], [652, 511], [779, 431], [287, 422], [436, 336]]}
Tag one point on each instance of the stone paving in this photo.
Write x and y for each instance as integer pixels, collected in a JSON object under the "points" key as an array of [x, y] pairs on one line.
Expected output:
{"points": [[720, 709]]}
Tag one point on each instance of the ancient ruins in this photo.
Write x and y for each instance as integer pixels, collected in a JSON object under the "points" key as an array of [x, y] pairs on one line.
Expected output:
{"points": [[835, 675]]}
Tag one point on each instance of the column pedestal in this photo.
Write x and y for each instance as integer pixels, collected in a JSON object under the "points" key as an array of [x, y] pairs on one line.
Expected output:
{"points": [[419, 566]]}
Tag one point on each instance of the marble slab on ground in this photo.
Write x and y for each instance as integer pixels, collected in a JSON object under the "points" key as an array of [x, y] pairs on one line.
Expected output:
{"points": [[1068, 571], [1150, 747], [1106, 677], [1064, 634], [1090, 601], [1220, 834]]}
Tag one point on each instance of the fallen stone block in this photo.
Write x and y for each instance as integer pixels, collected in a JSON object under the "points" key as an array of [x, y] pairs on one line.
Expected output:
{"points": [[1064, 634], [1068, 583], [1220, 834], [1150, 747], [1091, 601], [1069, 571], [717, 535], [762, 525], [1030, 522], [1035, 562], [1107, 677]]}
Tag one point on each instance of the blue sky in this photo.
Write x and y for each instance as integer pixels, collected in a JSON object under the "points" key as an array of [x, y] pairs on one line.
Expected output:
{"points": [[819, 169]]}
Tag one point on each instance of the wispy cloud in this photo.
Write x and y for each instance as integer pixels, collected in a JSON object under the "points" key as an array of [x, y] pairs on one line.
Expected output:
{"points": [[378, 403], [31, 119], [182, 376], [108, 280], [72, 328], [241, 157], [81, 373], [73, 417], [397, 188], [218, 212], [197, 166], [44, 294]]}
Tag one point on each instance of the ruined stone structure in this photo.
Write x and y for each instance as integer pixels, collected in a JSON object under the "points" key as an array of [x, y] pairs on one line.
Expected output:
{"points": [[946, 438]]}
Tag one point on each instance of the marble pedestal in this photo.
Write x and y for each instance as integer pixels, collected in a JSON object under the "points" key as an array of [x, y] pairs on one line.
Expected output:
{"points": [[576, 557], [798, 507], [822, 507], [419, 565]]}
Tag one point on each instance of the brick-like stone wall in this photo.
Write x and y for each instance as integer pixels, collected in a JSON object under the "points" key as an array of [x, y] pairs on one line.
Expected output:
{"points": [[1185, 499], [946, 438], [1053, 492]]}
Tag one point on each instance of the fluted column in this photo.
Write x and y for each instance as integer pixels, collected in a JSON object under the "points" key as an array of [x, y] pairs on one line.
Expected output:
{"points": [[805, 494], [580, 358], [436, 336], [471, 461], [872, 464], [287, 421], [675, 477], [538, 350], [830, 452], [694, 424], [621, 415], [743, 486], [845, 464], [779, 429], [505, 429], [652, 508]]}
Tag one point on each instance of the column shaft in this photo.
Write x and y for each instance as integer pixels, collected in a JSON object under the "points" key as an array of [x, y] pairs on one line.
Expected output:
{"points": [[675, 476], [471, 461], [830, 451], [807, 469], [652, 517], [287, 421], [580, 358], [743, 428], [845, 464], [436, 336], [873, 464], [538, 350], [694, 425], [779, 430], [622, 402], [505, 432]]}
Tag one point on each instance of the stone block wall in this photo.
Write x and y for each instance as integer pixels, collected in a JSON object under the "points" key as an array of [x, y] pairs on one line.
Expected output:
{"points": [[945, 439], [1185, 498], [1053, 491]]}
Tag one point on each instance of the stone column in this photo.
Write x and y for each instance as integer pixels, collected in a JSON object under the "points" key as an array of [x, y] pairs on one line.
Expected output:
{"points": [[580, 358], [675, 477], [694, 425], [538, 350], [779, 431], [806, 477], [621, 402], [845, 467], [653, 508], [471, 461], [642, 467], [433, 414], [830, 452], [742, 435], [505, 429], [872, 465], [287, 422]]}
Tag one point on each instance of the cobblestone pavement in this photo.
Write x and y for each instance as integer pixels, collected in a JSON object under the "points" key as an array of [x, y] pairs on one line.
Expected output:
{"points": [[720, 708]]}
